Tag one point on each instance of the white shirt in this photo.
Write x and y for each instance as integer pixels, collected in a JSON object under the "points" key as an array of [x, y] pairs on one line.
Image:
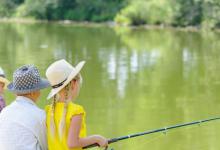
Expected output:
{"points": [[22, 126]]}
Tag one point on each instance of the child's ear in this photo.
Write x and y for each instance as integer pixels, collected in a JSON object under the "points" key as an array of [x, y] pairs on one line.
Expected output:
{"points": [[73, 82]]}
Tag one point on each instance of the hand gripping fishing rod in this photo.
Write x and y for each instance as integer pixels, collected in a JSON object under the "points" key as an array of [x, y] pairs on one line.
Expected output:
{"points": [[164, 129]]}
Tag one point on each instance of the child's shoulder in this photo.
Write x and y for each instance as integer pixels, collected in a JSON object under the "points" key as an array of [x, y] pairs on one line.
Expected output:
{"points": [[76, 108]]}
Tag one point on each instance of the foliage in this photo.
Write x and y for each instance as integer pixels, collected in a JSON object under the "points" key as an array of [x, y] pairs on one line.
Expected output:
{"points": [[211, 13], [189, 13], [171, 12], [7, 7], [146, 11], [79, 10], [205, 13]]}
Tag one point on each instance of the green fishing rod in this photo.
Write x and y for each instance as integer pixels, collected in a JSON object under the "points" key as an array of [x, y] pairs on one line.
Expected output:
{"points": [[164, 129]]}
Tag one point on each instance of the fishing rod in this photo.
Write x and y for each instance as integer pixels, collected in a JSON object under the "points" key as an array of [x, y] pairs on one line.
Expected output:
{"points": [[164, 129]]}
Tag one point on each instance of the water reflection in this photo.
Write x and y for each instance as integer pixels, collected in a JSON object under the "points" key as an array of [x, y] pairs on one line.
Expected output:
{"points": [[134, 79]]}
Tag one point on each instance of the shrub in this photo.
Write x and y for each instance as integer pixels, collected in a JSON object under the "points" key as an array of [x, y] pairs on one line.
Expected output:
{"points": [[146, 11]]}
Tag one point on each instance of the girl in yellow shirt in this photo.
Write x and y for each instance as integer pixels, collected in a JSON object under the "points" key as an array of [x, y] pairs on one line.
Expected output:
{"points": [[66, 128]]}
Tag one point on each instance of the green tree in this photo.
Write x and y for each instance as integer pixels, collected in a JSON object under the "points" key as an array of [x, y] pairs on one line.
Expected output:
{"points": [[8, 7], [211, 13], [190, 12], [147, 11]]}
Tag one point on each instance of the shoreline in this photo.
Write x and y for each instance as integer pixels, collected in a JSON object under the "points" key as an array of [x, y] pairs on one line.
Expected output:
{"points": [[107, 23]]}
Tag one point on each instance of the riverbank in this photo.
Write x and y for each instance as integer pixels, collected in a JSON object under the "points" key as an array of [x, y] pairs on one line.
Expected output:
{"points": [[65, 22], [108, 23]]}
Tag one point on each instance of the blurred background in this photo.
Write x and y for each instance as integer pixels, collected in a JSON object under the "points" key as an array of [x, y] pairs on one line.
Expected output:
{"points": [[205, 13]]}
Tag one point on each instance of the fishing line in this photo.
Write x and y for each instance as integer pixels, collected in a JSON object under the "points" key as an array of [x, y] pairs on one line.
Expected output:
{"points": [[163, 130]]}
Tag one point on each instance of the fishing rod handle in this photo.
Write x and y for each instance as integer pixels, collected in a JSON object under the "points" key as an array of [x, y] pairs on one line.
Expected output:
{"points": [[97, 145], [91, 146]]}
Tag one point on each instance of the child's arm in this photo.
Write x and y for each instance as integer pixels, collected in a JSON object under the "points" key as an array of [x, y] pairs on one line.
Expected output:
{"points": [[75, 141]]}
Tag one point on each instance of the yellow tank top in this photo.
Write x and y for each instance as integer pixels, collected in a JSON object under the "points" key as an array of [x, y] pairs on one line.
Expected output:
{"points": [[54, 143]]}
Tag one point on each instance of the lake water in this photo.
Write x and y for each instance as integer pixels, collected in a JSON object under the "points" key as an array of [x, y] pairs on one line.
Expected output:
{"points": [[134, 79]]}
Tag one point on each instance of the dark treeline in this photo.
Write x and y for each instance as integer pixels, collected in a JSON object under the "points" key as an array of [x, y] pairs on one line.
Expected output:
{"points": [[202, 13], [78, 10]]}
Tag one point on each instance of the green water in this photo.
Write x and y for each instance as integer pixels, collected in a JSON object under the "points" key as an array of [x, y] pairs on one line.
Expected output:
{"points": [[134, 79]]}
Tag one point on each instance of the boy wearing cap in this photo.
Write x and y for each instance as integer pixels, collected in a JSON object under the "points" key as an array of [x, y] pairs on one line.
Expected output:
{"points": [[3, 84], [22, 123]]}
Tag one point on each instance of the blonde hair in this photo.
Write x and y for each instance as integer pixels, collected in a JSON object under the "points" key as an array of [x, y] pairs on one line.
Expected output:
{"points": [[52, 121], [62, 125]]}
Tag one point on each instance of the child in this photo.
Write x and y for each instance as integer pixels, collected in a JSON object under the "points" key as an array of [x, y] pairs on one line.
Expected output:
{"points": [[65, 121], [3, 84]]}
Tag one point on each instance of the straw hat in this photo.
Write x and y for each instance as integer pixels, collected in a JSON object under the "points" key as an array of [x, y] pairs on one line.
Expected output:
{"points": [[60, 73], [3, 79], [27, 79]]}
